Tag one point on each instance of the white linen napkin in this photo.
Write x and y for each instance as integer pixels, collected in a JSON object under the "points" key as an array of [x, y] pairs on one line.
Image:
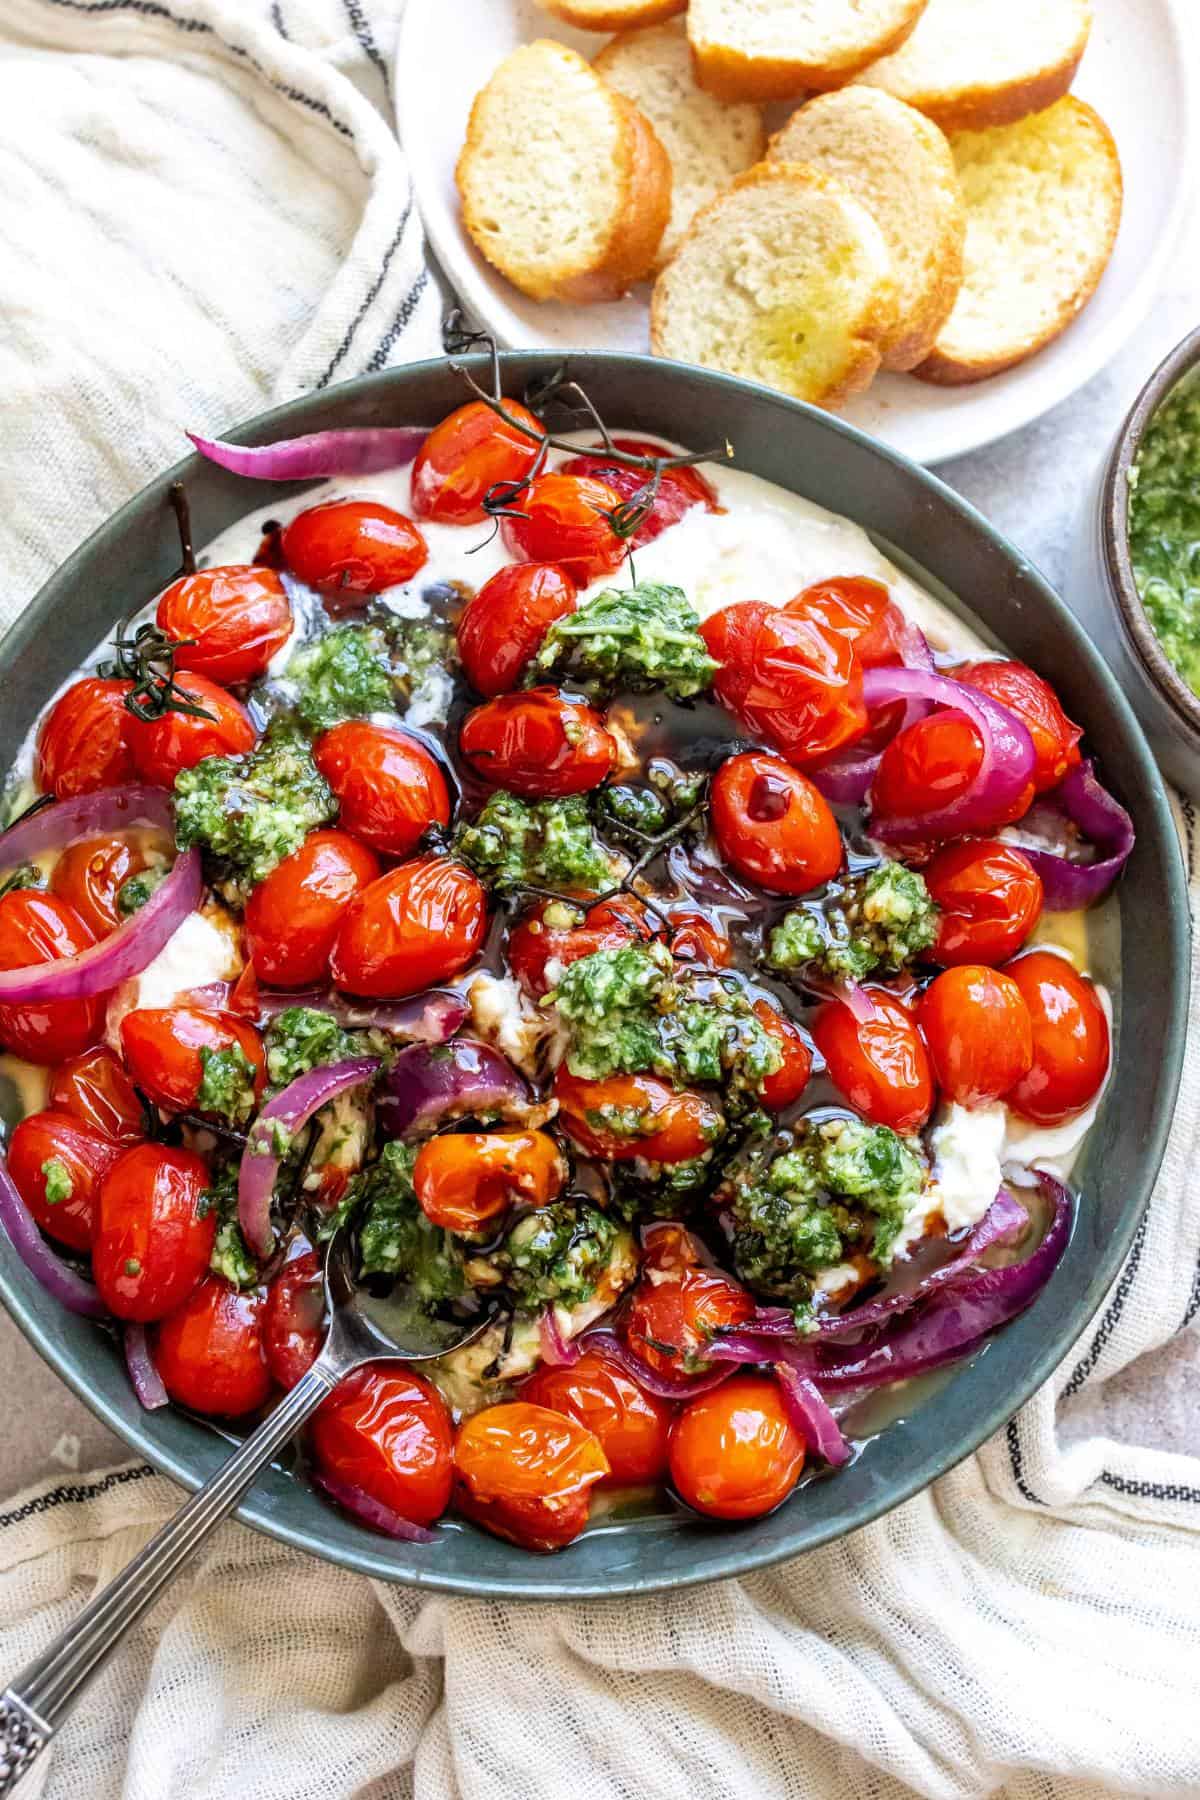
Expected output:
{"points": [[203, 212]]}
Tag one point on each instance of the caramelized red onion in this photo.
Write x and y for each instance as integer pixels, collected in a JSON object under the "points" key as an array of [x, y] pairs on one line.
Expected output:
{"points": [[600, 1337], [429, 1083], [429, 1018], [372, 1512], [72, 1290], [846, 778], [810, 1414], [557, 1352], [147, 1382], [1081, 798], [363, 450], [287, 1112]]}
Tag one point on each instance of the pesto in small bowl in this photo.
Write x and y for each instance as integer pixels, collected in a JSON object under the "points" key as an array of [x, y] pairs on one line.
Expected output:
{"points": [[1164, 526]]}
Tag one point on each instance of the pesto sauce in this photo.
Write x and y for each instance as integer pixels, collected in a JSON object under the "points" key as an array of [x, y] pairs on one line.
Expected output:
{"points": [[1164, 526]]}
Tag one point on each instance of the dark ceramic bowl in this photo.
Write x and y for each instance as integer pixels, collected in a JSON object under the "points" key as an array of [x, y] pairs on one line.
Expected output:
{"points": [[930, 529]]}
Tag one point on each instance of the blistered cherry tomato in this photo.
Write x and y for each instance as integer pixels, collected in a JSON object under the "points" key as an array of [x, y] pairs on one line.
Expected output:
{"points": [[977, 1027], [83, 742], [236, 617], [932, 763], [469, 452], [347, 549], [881, 1066], [695, 937], [388, 786], [860, 610], [772, 825], [538, 744], [538, 943], [89, 875], [1070, 1039], [57, 1164], [630, 1425], [567, 521], [679, 490], [734, 1452], [294, 1316], [791, 1077], [386, 1431], [467, 1179], [525, 1473], [787, 677], [420, 924], [41, 928], [503, 625], [671, 1317], [166, 1049], [179, 740], [95, 1088], [292, 917], [989, 898], [210, 1351], [672, 1127], [1055, 737], [153, 1237]]}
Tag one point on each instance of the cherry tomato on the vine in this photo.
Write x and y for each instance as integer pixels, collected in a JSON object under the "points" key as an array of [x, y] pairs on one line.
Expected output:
{"points": [[630, 1425], [567, 521], [178, 740], [420, 924], [153, 1237], [539, 943], [210, 1351], [679, 490], [83, 742], [294, 1317], [734, 1452], [472, 450], [672, 1315], [467, 1179], [347, 549], [977, 1027], [787, 677], [41, 928], [538, 744], [166, 1049], [791, 1077], [1070, 1039], [989, 898], [502, 626], [389, 787], [57, 1164], [525, 1473], [228, 622], [1015, 685], [932, 763], [292, 917], [386, 1431], [94, 1087], [772, 825], [882, 1065], [671, 1126], [89, 875]]}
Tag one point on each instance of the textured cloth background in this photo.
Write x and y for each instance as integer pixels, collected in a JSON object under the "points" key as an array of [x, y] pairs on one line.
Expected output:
{"points": [[202, 212]]}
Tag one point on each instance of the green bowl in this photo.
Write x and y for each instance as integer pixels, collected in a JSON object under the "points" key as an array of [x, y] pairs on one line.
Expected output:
{"points": [[924, 524]]}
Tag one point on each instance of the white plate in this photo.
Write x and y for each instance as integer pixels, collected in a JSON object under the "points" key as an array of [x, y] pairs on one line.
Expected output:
{"points": [[1135, 72]]}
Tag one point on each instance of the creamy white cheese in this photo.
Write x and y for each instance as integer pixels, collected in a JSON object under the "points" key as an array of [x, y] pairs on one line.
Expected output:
{"points": [[967, 1148], [205, 948], [530, 1036]]}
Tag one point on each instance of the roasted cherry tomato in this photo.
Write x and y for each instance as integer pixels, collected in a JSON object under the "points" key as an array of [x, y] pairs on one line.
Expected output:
{"points": [[734, 1452], [860, 610], [542, 944], [630, 1425], [503, 625], [567, 521], [41, 928], [1070, 1039], [672, 1127], [525, 1473], [347, 549], [679, 490], [388, 786], [57, 1164], [83, 742], [696, 937], [210, 1351], [469, 452], [292, 917], [385, 1431], [95, 1088], [179, 740], [420, 924], [89, 875], [791, 1077], [538, 744], [228, 622], [168, 1050], [772, 825], [977, 1027], [467, 1179], [989, 898], [672, 1315], [294, 1317], [1055, 737], [154, 1238], [930, 764], [787, 677], [881, 1066]]}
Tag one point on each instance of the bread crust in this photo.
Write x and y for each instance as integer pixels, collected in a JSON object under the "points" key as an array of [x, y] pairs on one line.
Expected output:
{"points": [[615, 17], [730, 74]]}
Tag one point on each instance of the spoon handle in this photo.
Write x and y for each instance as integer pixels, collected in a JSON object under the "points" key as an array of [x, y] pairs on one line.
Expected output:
{"points": [[35, 1704]]}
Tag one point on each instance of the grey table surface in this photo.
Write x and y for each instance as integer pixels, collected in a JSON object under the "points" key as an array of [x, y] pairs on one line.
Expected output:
{"points": [[1030, 485]]}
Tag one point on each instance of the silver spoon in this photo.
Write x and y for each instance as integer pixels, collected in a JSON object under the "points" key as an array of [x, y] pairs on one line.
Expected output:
{"points": [[362, 1329]]}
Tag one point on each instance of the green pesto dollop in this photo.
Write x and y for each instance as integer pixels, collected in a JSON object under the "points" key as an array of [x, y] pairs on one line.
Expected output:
{"points": [[560, 1254], [343, 674], [544, 843], [226, 1084], [248, 812], [869, 924], [301, 1038], [135, 890], [1164, 526], [230, 1257], [396, 1238], [639, 639]]}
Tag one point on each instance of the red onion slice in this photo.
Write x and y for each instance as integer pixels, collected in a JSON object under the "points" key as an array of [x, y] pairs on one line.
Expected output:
{"points": [[1068, 886], [615, 1348], [557, 1353], [147, 1382], [370, 1511], [71, 1290], [810, 1414], [362, 450], [846, 778], [288, 1111], [429, 1083], [430, 1018], [133, 946]]}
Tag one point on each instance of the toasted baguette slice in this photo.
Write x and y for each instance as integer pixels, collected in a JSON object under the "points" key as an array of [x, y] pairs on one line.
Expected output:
{"points": [[776, 49], [974, 63], [709, 141], [612, 15], [1043, 206], [564, 186], [785, 279], [899, 165]]}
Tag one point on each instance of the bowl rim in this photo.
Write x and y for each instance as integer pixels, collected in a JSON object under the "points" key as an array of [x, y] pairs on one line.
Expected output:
{"points": [[1139, 635], [377, 1558]]}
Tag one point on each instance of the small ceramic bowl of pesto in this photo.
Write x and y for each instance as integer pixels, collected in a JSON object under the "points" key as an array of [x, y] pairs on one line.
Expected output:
{"points": [[1135, 581]]}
